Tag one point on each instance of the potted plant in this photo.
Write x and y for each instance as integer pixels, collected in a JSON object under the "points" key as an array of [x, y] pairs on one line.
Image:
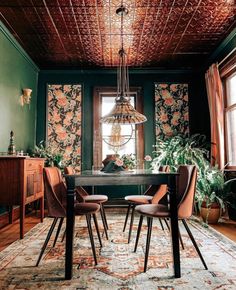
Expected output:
{"points": [[193, 150], [230, 198], [51, 155], [210, 194]]}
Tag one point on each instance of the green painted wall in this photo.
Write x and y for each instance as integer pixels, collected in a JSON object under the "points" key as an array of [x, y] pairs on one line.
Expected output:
{"points": [[17, 71]]}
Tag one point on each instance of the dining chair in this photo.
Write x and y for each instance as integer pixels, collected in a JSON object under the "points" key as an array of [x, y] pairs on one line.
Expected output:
{"points": [[186, 187], [55, 193], [83, 196], [154, 194]]}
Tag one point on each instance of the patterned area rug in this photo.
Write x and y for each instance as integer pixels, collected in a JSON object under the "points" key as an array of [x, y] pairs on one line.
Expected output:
{"points": [[118, 267]]}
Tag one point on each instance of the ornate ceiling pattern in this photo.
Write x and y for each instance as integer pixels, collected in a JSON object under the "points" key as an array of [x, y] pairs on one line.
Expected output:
{"points": [[87, 33]]}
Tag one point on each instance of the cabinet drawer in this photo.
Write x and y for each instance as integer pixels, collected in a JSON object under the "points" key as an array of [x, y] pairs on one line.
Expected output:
{"points": [[33, 165]]}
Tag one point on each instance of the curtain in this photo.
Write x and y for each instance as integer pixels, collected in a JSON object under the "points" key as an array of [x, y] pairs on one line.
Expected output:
{"points": [[216, 108]]}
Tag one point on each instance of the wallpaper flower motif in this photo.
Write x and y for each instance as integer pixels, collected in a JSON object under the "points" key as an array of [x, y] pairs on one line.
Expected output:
{"points": [[171, 110], [64, 122]]}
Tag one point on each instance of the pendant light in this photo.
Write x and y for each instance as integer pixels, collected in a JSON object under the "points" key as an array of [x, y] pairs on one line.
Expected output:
{"points": [[123, 112]]}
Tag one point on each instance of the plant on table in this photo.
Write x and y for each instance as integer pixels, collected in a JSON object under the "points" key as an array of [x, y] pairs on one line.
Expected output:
{"points": [[129, 161]]}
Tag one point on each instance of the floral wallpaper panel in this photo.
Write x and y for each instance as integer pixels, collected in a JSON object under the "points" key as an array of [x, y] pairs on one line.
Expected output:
{"points": [[64, 122], [171, 110]]}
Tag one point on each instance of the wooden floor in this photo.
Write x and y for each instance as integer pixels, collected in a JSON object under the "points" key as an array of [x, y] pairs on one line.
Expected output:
{"points": [[227, 228], [11, 233]]}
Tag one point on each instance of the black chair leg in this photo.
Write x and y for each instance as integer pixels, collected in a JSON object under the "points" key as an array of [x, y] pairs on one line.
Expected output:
{"points": [[181, 240], [64, 235], [131, 223], [127, 216], [88, 218], [97, 229], [104, 224], [194, 243], [149, 233], [58, 231], [167, 225], [162, 227], [138, 232], [104, 214], [47, 240]]}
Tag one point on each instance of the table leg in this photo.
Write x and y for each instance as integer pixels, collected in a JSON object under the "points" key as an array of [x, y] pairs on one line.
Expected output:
{"points": [[42, 208], [69, 235], [174, 226], [22, 220], [10, 214]]}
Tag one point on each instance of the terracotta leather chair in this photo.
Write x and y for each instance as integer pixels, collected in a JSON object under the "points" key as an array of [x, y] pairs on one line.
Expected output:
{"points": [[83, 196], [55, 193], [185, 197], [154, 194]]}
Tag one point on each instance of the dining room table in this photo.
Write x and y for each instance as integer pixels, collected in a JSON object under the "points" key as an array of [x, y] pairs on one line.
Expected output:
{"points": [[134, 177]]}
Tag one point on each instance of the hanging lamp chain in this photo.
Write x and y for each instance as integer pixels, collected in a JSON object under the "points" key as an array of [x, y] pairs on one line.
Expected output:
{"points": [[122, 73]]}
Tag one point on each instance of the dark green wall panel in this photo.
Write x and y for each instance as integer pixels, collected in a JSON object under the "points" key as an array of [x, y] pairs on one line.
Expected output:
{"points": [[17, 71]]}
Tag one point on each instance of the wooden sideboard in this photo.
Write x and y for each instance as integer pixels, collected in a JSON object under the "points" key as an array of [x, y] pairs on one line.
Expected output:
{"points": [[21, 182]]}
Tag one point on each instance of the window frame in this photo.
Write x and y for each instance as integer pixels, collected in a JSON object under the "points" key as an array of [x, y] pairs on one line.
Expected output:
{"points": [[227, 70], [98, 93]]}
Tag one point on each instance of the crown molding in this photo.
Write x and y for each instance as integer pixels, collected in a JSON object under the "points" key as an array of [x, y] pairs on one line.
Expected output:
{"points": [[17, 46], [114, 71], [224, 50]]}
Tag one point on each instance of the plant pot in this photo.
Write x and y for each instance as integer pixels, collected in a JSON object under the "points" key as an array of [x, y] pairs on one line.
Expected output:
{"points": [[232, 213], [210, 214]]}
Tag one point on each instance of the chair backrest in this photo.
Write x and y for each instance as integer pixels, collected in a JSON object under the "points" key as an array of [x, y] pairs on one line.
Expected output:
{"points": [[186, 188], [162, 189], [69, 170], [80, 191], [55, 192], [152, 189]]}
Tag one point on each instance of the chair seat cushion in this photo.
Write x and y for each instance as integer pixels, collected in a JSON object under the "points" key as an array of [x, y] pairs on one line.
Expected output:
{"points": [[153, 210], [97, 198], [139, 199], [86, 208]]}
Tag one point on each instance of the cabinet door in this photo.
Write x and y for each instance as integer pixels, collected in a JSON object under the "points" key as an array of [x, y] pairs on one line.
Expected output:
{"points": [[34, 178], [30, 183]]}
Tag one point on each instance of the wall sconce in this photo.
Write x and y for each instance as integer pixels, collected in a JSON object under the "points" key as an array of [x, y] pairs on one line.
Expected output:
{"points": [[26, 97]]}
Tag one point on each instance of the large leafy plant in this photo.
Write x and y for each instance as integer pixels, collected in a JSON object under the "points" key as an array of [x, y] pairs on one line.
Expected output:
{"points": [[181, 150], [211, 187], [192, 150]]}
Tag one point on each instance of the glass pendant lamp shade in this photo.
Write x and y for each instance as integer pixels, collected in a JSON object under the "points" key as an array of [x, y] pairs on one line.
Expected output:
{"points": [[123, 112]]}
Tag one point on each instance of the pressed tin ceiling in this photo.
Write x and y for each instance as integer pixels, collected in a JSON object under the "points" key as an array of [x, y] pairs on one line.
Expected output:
{"points": [[86, 33]]}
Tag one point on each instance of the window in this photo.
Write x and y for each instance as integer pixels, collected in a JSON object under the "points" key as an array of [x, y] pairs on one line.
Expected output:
{"points": [[110, 139], [119, 139], [230, 119]]}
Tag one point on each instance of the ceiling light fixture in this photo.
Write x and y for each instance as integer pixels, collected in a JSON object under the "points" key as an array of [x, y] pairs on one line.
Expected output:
{"points": [[123, 112]]}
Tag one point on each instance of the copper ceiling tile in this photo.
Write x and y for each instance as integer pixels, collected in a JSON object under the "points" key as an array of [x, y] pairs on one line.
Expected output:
{"points": [[74, 33]]}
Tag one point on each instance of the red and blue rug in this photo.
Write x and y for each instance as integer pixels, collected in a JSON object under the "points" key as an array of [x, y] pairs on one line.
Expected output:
{"points": [[118, 267]]}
